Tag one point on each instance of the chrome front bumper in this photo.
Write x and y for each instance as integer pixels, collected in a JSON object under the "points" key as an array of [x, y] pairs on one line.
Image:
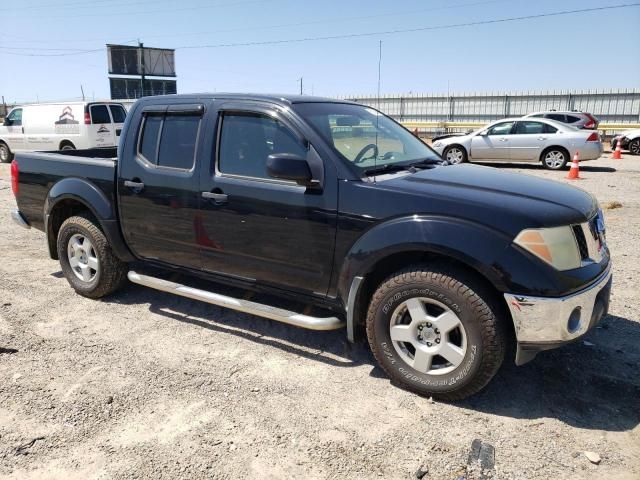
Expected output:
{"points": [[18, 218], [542, 323]]}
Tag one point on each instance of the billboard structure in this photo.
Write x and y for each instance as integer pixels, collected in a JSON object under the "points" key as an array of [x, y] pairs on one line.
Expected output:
{"points": [[137, 63]]}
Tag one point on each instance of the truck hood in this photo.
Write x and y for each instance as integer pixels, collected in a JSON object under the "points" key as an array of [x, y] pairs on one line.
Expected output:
{"points": [[507, 201]]}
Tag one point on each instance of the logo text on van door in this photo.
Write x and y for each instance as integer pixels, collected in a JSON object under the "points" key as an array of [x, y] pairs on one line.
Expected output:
{"points": [[66, 122]]}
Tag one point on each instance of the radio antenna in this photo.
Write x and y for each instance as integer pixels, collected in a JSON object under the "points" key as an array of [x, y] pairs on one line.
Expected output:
{"points": [[375, 158]]}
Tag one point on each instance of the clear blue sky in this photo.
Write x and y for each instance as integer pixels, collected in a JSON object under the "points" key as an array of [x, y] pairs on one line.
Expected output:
{"points": [[580, 51]]}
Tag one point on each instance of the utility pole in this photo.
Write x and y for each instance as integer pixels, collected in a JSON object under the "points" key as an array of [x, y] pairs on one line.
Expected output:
{"points": [[141, 47], [82, 90], [300, 80]]}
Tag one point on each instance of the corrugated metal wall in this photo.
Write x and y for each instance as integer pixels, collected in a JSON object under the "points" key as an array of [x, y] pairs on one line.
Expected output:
{"points": [[611, 106]]}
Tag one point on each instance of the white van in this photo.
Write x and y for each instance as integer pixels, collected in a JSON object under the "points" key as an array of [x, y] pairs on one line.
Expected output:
{"points": [[61, 126]]}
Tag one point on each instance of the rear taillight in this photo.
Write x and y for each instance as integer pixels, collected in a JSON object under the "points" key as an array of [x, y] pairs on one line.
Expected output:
{"points": [[590, 125], [594, 137], [14, 177], [87, 118]]}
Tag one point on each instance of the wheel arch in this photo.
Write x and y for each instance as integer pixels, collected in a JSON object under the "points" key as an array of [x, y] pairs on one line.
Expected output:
{"points": [[425, 240], [71, 196], [557, 147], [66, 142]]}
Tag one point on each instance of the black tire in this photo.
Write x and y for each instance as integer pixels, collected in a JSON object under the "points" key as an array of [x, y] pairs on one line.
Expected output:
{"points": [[67, 145], [111, 273], [634, 147], [559, 161], [5, 153], [461, 158], [457, 292]]}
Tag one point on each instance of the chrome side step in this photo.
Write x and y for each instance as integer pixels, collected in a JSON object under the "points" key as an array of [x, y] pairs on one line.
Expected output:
{"points": [[246, 306]]}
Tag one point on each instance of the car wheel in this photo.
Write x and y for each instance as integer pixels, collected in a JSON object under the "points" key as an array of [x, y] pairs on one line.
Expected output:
{"points": [[455, 154], [555, 159], [634, 146], [86, 258], [433, 334], [5, 153]]}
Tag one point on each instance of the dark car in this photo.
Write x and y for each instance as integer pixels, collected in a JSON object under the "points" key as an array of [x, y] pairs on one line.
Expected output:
{"points": [[339, 217]]}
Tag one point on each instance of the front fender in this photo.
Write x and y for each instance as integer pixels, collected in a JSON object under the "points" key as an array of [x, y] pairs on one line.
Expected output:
{"points": [[487, 251]]}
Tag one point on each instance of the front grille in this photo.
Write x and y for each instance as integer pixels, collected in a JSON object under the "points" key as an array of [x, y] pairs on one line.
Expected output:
{"points": [[590, 241]]}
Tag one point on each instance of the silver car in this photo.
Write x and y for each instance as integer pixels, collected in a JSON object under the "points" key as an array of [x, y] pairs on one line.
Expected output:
{"points": [[522, 140]]}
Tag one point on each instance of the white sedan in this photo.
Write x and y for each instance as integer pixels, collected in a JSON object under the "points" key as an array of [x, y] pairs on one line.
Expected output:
{"points": [[522, 140]]}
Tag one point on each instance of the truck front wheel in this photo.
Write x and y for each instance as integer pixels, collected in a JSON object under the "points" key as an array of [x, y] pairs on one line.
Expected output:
{"points": [[86, 258], [432, 333]]}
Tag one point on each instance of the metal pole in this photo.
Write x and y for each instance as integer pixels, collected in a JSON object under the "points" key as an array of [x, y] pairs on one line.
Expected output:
{"points": [[141, 47], [82, 90]]}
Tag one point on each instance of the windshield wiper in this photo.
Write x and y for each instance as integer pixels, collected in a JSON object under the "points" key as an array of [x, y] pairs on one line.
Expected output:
{"points": [[387, 168], [427, 162]]}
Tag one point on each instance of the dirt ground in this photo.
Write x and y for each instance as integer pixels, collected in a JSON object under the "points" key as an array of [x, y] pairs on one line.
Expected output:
{"points": [[147, 385]]}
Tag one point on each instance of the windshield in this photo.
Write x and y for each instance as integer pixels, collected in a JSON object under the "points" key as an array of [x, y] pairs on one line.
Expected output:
{"points": [[365, 138]]}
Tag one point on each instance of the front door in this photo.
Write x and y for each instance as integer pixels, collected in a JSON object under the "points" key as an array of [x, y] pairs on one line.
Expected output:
{"points": [[258, 228], [493, 144], [159, 187], [15, 131]]}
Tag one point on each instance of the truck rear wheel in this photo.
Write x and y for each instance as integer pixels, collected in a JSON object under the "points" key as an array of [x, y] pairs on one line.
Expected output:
{"points": [[5, 153], [433, 334], [86, 258]]}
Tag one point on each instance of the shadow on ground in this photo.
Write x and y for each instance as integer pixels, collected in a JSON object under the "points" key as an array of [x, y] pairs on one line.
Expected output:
{"points": [[592, 386]]}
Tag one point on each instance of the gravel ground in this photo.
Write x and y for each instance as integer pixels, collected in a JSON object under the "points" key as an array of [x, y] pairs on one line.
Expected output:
{"points": [[147, 385]]}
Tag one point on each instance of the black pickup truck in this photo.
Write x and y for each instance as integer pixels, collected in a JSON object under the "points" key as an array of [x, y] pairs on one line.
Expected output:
{"points": [[333, 207]]}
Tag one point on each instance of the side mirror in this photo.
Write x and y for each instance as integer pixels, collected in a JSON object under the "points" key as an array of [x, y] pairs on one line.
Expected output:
{"points": [[7, 122], [483, 133], [288, 166]]}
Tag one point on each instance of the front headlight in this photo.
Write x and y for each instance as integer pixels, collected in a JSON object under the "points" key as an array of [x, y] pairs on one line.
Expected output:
{"points": [[557, 246]]}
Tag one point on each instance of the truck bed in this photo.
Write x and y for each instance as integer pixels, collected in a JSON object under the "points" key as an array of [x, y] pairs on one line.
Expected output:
{"points": [[40, 171]]}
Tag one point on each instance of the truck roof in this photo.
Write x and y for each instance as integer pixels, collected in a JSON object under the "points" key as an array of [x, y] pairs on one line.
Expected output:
{"points": [[282, 99]]}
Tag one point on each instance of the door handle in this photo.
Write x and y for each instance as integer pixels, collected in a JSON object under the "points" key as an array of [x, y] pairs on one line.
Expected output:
{"points": [[218, 198], [542, 138], [134, 185], [504, 139]]}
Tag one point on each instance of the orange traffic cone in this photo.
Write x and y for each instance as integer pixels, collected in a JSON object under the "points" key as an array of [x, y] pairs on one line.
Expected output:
{"points": [[574, 171], [617, 153]]}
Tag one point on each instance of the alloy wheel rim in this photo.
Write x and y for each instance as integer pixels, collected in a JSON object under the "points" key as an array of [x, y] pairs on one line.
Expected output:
{"points": [[634, 148], [83, 258], [428, 336], [554, 159], [454, 155], [4, 154]]}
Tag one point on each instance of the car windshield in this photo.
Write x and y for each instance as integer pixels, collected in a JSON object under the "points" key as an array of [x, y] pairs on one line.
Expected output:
{"points": [[365, 138]]}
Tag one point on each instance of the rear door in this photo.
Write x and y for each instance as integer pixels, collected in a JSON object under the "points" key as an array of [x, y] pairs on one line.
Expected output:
{"points": [[118, 116], [158, 185], [494, 144], [101, 131], [529, 139]]}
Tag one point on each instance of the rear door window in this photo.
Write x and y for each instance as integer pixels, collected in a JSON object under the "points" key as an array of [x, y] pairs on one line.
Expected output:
{"points": [[100, 114], [118, 113], [178, 141], [529, 128], [572, 119], [148, 145], [557, 116]]}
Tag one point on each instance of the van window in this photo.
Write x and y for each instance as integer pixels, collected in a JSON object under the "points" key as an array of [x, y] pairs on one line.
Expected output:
{"points": [[178, 141], [118, 113], [100, 114], [15, 117], [148, 146]]}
